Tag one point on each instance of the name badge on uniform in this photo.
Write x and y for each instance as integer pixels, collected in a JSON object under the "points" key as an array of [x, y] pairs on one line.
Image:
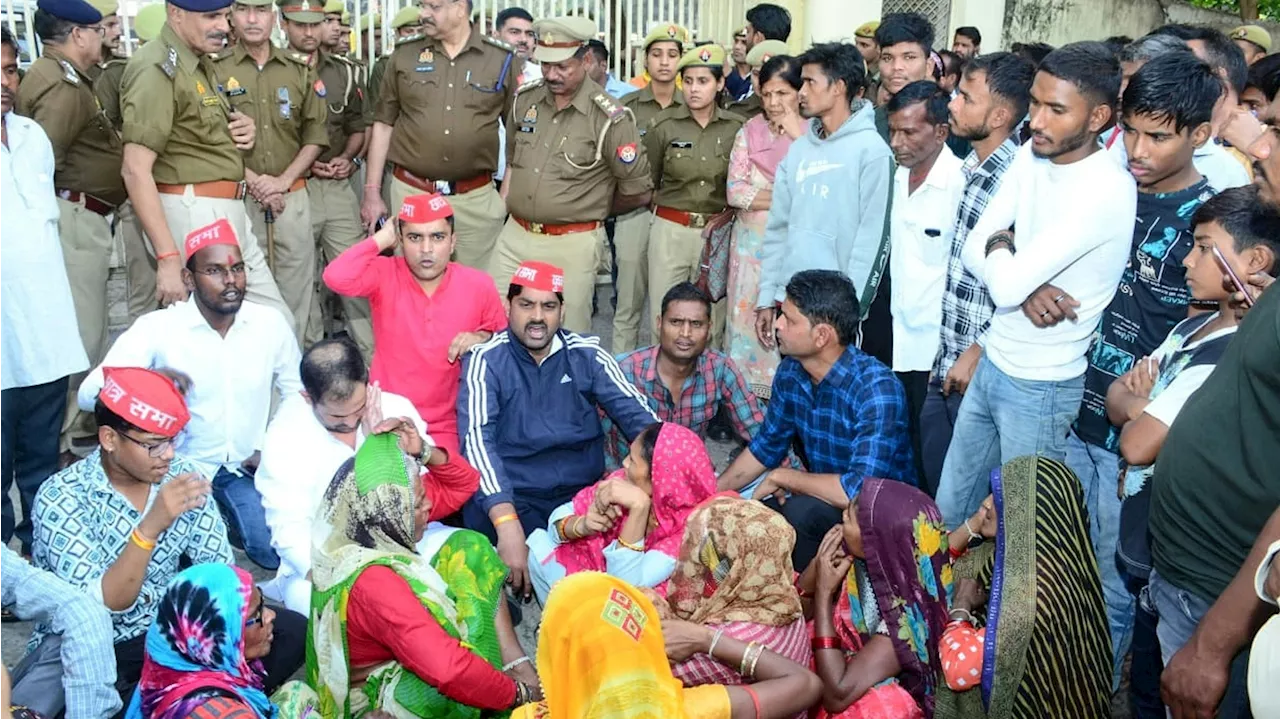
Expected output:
{"points": [[524, 128], [208, 101], [233, 88], [282, 97], [681, 145]]}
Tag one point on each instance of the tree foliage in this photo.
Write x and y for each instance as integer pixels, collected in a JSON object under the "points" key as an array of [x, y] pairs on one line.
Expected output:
{"points": [[1246, 9]]}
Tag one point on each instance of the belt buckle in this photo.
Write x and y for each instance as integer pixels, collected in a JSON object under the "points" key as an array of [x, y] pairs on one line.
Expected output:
{"points": [[444, 187], [697, 220], [242, 190], [537, 228]]}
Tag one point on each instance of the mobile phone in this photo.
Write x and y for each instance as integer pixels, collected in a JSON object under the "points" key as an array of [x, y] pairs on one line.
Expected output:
{"points": [[1235, 279], [379, 224]]}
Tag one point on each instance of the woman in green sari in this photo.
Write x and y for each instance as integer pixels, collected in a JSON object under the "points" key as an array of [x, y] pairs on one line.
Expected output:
{"points": [[1044, 651], [405, 618]]}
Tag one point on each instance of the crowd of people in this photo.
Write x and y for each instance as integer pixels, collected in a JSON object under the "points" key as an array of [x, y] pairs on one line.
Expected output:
{"points": [[993, 331]]}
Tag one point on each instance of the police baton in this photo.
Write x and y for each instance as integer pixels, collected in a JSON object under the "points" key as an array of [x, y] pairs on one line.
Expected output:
{"points": [[270, 218]]}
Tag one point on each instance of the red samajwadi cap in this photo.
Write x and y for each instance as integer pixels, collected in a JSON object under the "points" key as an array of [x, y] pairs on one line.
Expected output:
{"points": [[144, 398], [219, 233], [539, 276], [420, 209]]}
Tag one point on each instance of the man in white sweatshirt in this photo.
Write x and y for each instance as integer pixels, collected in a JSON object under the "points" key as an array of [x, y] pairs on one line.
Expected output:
{"points": [[1073, 210]]}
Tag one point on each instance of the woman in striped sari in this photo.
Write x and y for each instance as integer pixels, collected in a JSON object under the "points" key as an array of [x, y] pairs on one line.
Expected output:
{"points": [[1045, 649]]}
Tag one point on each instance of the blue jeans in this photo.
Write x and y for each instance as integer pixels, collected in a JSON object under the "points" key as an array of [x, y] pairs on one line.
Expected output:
{"points": [[1179, 614], [1002, 418], [241, 508], [1099, 471], [1146, 664]]}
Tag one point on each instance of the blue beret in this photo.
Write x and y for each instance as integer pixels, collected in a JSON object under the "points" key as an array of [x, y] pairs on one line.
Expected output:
{"points": [[201, 5], [73, 11]]}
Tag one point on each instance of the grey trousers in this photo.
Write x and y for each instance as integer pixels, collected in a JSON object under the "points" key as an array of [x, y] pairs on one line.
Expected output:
{"points": [[37, 679]]}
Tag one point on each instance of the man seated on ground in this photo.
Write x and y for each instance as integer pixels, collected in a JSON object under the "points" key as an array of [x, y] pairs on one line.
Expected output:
{"points": [[235, 353], [73, 668], [528, 409], [427, 311], [683, 380], [844, 411], [317, 430], [120, 523]]}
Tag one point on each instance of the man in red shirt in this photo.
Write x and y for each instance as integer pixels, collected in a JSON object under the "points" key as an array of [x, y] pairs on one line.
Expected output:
{"points": [[427, 311]]}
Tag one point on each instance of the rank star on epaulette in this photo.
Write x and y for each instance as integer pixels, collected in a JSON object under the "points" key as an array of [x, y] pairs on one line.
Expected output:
{"points": [[170, 65], [606, 103], [71, 75]]}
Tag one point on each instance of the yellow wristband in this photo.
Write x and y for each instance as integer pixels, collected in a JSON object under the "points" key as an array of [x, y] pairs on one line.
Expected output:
{"points": [[504, 519], [137, 538]]}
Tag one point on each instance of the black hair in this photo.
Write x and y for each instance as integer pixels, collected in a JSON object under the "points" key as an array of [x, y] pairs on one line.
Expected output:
{"points": [[106, 418], [6, 38], [935, 101], [717, 71], [826, 297], [772, 21], [1265, 75], [952, 64], [1176, 86], [1117, 43], [511, 13], [1222, 53], [685, 292], [1089, 66], [1150, 46], [598, 49], [513, 291], [900, 27], [649, 441], [1035, 52], [1244, 216], [50, 28], [787, 69], [970, 32], [332, 369], [1009, 78], [839, 61]]}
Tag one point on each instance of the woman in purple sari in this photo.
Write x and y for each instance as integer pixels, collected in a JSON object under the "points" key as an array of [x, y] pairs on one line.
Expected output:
{"points": [[760, 145]]}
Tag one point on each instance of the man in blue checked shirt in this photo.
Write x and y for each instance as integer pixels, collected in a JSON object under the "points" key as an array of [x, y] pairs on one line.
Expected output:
{"points": [[843, 411]]}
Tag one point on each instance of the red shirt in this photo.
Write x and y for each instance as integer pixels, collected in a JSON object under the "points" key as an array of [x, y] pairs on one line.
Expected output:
{"points": [[385, 621], [412, 330], [449, 485]]}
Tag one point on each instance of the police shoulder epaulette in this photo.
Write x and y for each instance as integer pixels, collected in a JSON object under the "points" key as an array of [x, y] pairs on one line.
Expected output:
{"points": [[69, 72], [169, 66], [115, 61], [529, 85], [610, 106], [300, 58], [500, 44], [731, 115], [409, 38]]}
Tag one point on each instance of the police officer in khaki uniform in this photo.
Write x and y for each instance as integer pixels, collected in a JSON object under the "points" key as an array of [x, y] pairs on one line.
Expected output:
{"points": [[287, 101], [573, 158], [757, 56], [183, 142], [436, 124], [663, 48], [407, 25], [688, 147], [335, 211], [58, 94]]}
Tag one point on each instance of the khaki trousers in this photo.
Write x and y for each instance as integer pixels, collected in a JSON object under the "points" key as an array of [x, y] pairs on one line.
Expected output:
{"points": [[86, 251], [295, 253], [631, 244], [478, 217], [186, 212], [139, 262], [335, 225], [674, 252], [576, 253]]}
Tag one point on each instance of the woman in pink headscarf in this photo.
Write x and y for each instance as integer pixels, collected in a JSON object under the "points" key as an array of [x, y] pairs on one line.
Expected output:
{"points": [[761, 144], [631, 523]]}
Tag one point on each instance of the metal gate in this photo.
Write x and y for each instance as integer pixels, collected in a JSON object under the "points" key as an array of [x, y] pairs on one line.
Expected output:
{"points": [[937, 11]]}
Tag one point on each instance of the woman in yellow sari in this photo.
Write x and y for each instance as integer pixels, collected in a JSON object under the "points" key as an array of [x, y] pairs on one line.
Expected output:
{"points": [[601, 654]]}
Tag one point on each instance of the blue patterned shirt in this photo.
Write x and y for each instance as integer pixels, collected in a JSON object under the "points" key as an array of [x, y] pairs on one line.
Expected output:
{"points": [[82, 525], [88, 660], [853, 423]]}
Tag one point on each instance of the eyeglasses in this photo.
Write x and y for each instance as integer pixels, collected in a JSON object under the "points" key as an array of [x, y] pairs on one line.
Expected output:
{"points": [[96, 28], [256, 617], [154, 450]]}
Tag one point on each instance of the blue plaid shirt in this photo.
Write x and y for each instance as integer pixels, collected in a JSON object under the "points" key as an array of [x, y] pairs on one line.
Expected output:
{"points": [[852, 423]]}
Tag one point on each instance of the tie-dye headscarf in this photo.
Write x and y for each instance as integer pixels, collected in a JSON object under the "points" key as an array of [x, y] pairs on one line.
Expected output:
{"points": [[195, 647]]}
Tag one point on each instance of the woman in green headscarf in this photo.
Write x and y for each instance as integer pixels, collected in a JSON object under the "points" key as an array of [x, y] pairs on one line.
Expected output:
{"points": [[1045, 650], [404, 619]]}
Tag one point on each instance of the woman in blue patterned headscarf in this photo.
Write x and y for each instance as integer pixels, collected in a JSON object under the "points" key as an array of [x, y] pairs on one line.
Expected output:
{"points": [[202, 651]]}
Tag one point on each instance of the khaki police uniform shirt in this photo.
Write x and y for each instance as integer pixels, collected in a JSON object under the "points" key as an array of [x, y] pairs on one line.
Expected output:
{"points": [[170, 104], [444, 112], [344, 101], [106, 78], [746, 109], [558, 169], [87, 151], [690, 163], [285, 98], [645, 106]]}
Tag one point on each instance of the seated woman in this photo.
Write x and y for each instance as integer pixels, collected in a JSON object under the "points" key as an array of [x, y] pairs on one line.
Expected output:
{"points": [[1045, 650], [601, 653], [876, 649], [203, 652], [403, 619], [733, 576], [631, 523]]}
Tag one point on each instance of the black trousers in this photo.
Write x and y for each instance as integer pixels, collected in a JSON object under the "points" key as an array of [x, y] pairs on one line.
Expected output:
{"points": [[916, 384], [812, 518], [288, 654], [877, 329], [937, 420], [32, 418], [534, 511]]}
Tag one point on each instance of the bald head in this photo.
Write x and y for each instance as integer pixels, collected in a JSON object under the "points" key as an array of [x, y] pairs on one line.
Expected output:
{"points": [[332, 370]]}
